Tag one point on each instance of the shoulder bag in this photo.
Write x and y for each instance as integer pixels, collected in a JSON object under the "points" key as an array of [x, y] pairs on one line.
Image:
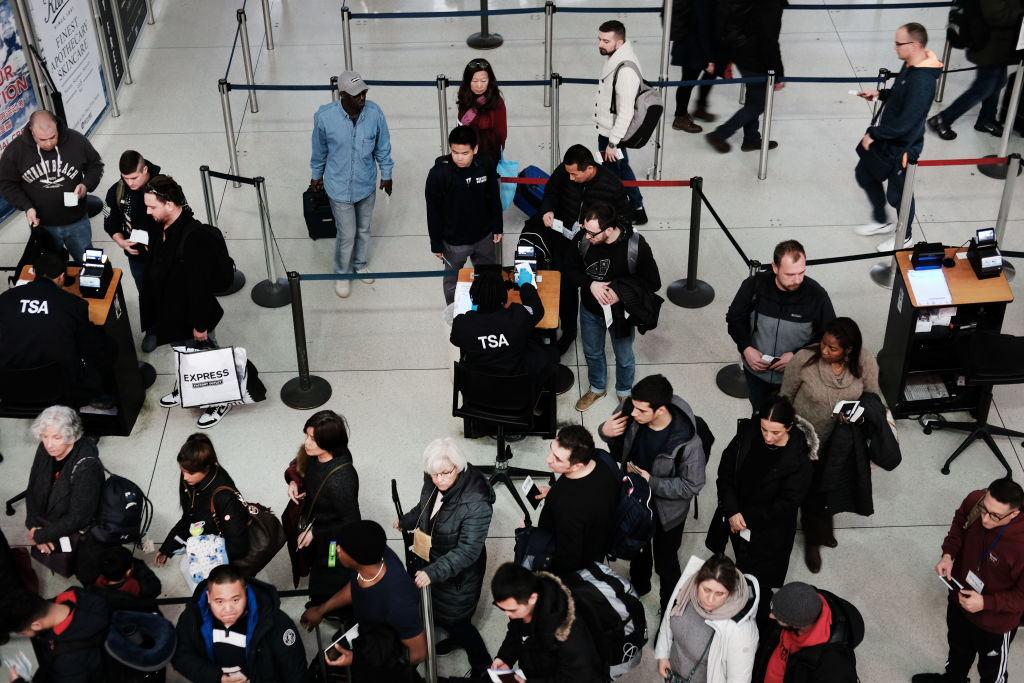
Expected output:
{"points": [[266, 534]]}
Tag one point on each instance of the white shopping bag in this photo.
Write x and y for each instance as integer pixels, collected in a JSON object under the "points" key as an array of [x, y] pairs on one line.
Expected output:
{"points": [[207, 376], [202, 554]]}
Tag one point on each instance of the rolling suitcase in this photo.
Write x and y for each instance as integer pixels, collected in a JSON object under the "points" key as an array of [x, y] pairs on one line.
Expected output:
{"points": [[528, 196], [316, 208]]}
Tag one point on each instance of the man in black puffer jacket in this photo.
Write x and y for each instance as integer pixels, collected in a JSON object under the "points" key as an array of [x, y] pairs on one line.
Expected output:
{"points": [[813, 639], [544, 636]]}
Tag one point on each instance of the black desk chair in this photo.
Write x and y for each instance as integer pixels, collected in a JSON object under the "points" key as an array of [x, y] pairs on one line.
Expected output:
{"points": [[990, 359], [507, 404]]}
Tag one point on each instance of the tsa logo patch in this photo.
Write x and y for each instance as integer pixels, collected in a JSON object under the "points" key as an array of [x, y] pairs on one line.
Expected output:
{"points": [[289, 637]]}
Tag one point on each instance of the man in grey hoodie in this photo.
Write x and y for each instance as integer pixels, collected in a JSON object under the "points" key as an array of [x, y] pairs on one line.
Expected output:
{"points": [[46, 172]]}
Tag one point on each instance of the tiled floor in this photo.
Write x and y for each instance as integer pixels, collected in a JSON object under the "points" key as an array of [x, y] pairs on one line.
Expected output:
{"points": [[384, 349]]}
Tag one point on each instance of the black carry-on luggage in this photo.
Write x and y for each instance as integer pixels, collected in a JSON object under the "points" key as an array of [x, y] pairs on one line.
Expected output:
{"points": [[316, 208]]}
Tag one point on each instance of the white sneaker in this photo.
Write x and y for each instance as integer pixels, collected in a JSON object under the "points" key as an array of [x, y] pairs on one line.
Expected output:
{"points": [[213, 415], [869, 229], [343, 288], [365, 271], [170, 400], [890, 244]]}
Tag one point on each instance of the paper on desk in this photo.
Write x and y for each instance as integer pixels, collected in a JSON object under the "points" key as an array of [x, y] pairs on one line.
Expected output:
{"points": [[462, 301], [929, 287]]}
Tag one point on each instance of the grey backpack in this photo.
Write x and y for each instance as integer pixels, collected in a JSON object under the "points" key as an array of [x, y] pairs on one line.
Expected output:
{"points": [[647, 110]]}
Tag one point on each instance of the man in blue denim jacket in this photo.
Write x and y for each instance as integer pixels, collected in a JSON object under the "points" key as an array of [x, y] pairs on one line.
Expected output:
{"points": [[350, 139]]}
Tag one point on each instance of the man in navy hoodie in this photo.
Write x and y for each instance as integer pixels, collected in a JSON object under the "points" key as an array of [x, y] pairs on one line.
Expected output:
{"points": [[898, 134]]}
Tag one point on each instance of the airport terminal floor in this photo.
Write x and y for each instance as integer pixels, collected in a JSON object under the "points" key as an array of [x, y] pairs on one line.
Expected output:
{"points": [[384, 349]]}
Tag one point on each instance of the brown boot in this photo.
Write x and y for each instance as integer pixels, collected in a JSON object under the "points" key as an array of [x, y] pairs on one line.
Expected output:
{"points": [[812, 556], [685, 123], [702, 114]]}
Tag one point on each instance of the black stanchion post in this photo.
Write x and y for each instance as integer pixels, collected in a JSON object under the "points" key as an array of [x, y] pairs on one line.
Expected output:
{"points": [[549, 28], [484, 40], [883, 76], [306, 391], [225, 109], [692, 293], [273, 292], [999, 170], [730, 379], [346, 35], [335, 93]]}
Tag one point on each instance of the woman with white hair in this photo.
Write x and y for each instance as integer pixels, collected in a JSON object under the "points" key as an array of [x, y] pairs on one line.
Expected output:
{"points": [[63, 486], [450, 526]]}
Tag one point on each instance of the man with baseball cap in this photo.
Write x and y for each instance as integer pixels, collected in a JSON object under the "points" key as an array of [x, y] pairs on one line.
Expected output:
{"points": [[385, 603], [812, 640], [350, 140]]}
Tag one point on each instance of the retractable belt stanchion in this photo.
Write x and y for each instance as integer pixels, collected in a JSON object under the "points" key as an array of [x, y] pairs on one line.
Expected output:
{"points": [[268, 29], [730, 380], [999, 170], [149, 13], [946, 49], [766, 124], [306, 391], [272, 292], [115, 13], [346, 36], [549, 27], [427, 611], [556, 155], [211, 211], [883, 76], [442, 110], [659, 132], [225, 108], [247, 60], [883, 273], [1004, 206], [691, 292], [335, 93], [484, 40], [108, 71]]}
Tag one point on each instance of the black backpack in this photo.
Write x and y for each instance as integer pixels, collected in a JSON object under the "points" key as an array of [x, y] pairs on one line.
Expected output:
{"points": [[967, 29], [633, 523], [125, 512], [222, 273], [611, 609]]}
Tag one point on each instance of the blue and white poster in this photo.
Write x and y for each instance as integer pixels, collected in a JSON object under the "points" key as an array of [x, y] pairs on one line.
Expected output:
{"points": [[16, 94]]}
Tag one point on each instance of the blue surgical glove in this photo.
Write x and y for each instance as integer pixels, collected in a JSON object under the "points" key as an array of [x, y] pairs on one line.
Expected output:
{"points": [[524, 277]]}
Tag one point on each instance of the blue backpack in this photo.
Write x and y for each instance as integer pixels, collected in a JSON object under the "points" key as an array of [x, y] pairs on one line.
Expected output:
{"points": [[633, 524]]}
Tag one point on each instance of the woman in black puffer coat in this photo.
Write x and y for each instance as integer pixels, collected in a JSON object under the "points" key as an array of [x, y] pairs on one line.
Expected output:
{"points": [[455, 511]]}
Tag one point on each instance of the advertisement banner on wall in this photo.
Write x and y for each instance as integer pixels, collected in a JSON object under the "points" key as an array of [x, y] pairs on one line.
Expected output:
{"points": [[16, 95], [67, 42], [133, 15]]}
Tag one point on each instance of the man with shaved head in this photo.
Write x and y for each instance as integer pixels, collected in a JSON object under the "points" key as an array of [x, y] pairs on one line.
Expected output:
{"points": [[46, 172]]}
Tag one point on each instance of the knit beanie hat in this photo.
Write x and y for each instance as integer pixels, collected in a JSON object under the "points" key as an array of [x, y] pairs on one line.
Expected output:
{"points": [[363, 541], [796, 604]]}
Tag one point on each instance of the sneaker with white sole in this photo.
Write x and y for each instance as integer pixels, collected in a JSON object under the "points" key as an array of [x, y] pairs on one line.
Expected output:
{"points": [[869, 229], [213, 415], [343, 288], [170, 400], [365, 275], [890, 244]]}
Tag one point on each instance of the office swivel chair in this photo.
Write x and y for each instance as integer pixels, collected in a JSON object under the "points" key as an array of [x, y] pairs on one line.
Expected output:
{"points": [[990, 359], [506, 403]]}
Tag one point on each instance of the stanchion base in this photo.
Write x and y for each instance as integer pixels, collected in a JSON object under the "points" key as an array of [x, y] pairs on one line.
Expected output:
{"points": [[1009, 271], [698, 297], [731, 381], [997, 171], [236, 284], [564, 379], [881, 275], [485, 41], [272, 294], [294, 396], [148, 373]]}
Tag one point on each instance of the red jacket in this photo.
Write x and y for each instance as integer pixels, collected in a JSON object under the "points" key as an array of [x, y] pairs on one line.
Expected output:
{"points": [[1002, 571], [491, 129]]}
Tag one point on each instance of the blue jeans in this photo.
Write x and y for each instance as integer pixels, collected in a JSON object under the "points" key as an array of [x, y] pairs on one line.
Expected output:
{"points": [[592, 331], [988, 81], [352, 248], [621, 169], [75, 237], [878, 196], [747, 115]]}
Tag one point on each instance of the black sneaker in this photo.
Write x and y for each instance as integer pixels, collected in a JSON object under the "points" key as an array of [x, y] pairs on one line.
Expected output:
{"points": [[639, 216], [756, 146], [941, 128], [992, 128], [642, 588]]}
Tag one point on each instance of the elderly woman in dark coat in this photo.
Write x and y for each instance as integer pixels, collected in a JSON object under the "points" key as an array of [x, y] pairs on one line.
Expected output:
{"points": [[450, 523], [65, 481]]}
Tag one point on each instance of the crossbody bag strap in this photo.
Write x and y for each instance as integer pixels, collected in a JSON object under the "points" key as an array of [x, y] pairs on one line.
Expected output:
{"points": [[324, 482], [701, 658], [213, 510]]}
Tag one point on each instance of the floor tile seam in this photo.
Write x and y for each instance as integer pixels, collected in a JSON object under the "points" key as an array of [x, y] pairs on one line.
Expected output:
{"points": [[159, 447], [1013, 440]]}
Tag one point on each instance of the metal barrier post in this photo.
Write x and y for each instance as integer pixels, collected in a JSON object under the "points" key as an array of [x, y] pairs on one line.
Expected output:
{"points": [[272, 292], [442, 110], [346, 36], [427, 609], [766, 124], [211, 209], [743, 94], [556, 156], [883, 273], [946, 49], [108, 72], [306, 391], [149, 13], [335, 93], [268, 28], [549, 27], [1004, 207], [247, 60], [883, 76], [659, 132], [731, 379], [999, 170], [225, 108], [484, 40], [115, 12], [692, 293]]}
